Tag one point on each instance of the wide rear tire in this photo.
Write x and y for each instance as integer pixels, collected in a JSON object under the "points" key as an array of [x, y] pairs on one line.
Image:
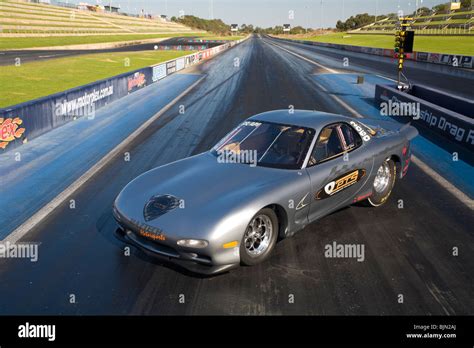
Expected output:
{"points": [[383, 183]]}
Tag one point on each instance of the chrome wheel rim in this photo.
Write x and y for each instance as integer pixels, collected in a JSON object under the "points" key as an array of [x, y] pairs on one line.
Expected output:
{"points": [[258, 235], [382, 178]]}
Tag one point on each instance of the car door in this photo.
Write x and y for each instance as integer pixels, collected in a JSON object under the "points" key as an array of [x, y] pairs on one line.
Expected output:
{"points": [[338, 169]]}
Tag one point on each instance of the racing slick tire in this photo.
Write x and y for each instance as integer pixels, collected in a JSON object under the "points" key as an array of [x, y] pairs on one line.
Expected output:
{"points": [[384, 182], [259, 237]]}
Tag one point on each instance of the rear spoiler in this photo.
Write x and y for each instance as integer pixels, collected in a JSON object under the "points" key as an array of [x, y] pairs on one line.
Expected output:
{"points": [[408, 131], [376, 126]]}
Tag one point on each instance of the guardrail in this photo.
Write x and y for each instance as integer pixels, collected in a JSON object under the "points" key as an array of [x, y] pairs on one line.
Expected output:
{"points": [[455, 60], [22, 122]]}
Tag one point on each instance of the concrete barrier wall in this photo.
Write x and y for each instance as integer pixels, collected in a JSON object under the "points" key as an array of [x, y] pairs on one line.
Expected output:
{"points": [[457, 104], [26, 121], [454, 60], [449, 124]]}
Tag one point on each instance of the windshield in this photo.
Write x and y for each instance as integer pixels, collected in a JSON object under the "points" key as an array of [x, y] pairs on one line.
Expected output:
{"points": [[265, 144]]}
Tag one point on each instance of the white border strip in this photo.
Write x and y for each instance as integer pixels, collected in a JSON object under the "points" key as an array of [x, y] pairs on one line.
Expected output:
{"points": [[443, 182]]}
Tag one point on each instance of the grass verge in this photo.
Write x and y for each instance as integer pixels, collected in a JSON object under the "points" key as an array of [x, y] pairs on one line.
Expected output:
{"points": [[38, 79], [436, 44], [11, 43]]}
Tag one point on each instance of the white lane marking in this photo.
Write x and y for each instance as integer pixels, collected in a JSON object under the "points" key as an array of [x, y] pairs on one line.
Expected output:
{"points": [[386, 78], [335, 97], [418, 162], [52, 55], [329, 69], [24, 228], [332, 71], [443, 182], [340, 101]]}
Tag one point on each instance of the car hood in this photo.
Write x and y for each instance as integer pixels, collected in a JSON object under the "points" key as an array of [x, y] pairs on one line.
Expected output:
{"points": [[203, 187]]}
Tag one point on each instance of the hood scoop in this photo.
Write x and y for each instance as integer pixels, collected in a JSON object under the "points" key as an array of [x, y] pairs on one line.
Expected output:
{"points": [[159, 205]]}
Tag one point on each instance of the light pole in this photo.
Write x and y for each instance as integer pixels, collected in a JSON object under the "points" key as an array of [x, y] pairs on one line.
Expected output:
{"points": [[376, 10], [306, 10], [308, 16], [321, 15], [343, 9]]}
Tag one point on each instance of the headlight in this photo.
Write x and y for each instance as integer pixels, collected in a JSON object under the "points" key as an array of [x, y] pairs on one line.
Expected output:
{"points": [[192, 243]]}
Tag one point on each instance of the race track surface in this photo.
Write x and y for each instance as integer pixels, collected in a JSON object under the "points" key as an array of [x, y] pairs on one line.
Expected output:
{"points": [[407, 251]]}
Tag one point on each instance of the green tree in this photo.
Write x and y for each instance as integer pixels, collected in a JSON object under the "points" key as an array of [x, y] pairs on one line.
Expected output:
{"points": [[441, 7], [215, 26], [297, 30], [467, 4], [424, 11], [357, 21]]}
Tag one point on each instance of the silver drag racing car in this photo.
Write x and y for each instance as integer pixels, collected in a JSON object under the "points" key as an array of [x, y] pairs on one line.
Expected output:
{"points": [[267, 179]]}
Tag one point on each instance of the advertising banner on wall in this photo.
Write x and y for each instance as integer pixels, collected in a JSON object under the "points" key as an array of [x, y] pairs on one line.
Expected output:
{"points": [[179, 64], [388, 53], [136, 81], [11, 129], [170, 67], [422, 57], [456, 60], [159, 72], [434, 57], [43, 114]]}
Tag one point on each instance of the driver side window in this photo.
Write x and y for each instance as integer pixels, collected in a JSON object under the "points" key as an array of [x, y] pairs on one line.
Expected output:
{"points": [[333, 141], [327, 146]]}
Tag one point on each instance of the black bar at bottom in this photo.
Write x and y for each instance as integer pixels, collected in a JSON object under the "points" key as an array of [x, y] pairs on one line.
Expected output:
{"points": [[134, 330]]}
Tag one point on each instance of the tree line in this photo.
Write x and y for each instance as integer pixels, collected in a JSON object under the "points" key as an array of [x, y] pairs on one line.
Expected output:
{"points": [[216, 26]]}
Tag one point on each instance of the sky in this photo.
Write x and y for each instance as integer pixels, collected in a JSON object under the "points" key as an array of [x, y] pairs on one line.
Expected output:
{"points": [[267, 13]]}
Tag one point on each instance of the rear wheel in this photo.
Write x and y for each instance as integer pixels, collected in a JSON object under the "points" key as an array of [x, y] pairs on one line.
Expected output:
{"points": [[259, 238], [383, 183]]}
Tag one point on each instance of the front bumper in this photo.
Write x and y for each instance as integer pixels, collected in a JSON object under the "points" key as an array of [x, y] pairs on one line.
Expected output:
{"points": [[183, 257]]}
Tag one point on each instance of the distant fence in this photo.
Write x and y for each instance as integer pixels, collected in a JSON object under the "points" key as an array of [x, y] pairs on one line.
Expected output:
{"points": [[161, 47], [455, 60], [28, 120], [460, 30]]}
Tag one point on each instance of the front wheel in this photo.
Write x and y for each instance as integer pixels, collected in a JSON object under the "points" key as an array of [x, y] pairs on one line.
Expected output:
{"points": [[383, 183], [259, 238]]}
